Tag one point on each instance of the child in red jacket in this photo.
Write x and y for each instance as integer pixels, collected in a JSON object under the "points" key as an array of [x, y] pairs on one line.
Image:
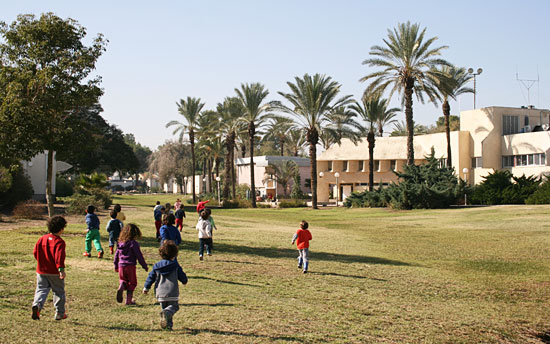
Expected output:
{"points": [[302, 238], [49, 252]]}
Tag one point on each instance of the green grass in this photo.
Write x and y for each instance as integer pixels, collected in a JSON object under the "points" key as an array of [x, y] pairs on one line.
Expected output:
{"points": [[433, 276]]}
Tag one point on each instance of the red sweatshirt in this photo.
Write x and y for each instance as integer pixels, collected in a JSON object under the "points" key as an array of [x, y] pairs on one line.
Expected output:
{"points": [[49, 252], [201, 206], [303, 236]]}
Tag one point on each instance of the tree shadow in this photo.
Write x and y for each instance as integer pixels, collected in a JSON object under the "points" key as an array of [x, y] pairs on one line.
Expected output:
{"points": [[236, 261], [274, 252], [342, 275], [197, 331], [207, 304], [222, 281]]}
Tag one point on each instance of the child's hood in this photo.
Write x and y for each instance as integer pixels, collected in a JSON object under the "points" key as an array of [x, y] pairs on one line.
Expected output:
{"points": [[166, 266], [126, 246]]}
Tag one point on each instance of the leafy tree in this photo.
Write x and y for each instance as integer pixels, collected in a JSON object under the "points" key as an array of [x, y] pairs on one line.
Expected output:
{"points": [[296, 192], [340, 123], [400, 129], [171, 160], [141, 152], [283, 171], [92, 181], [44, 79], [278, 130], [454, 123], [407, 61], [311, 100], [256, 112], [296, 140], [190, 110]]}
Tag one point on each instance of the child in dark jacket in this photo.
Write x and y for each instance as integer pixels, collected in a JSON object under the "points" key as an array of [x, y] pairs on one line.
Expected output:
{"points": [[127, 254], [180, 214], [157, 213], [168, 231], [114, 227], [92, 233], [165, 276]]}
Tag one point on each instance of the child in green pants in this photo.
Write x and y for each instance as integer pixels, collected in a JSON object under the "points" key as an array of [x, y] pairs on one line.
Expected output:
{"points": [[92, 233]]}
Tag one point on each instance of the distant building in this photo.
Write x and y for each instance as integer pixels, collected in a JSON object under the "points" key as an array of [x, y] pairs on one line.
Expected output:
{"points": [[37, 171], [490, 139], [264, 180]]}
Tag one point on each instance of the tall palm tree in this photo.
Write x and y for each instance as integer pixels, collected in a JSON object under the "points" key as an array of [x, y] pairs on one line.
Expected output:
{"points": [[400, 129], [278, 130], [190, 110], [385, 119], [312, 98], [371, 110], [283, 172], [451, 82], [340, 123], [296, 141], [407, 61], [252, 97]]}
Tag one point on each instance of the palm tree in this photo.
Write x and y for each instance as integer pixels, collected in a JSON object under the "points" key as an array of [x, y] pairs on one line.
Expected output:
{"points": [[278, 130], [407, 61], [385, 119], [340, 123], [296, 141], [372, 110], [451, 82], [312, 99], [400, 129], [283, 171], [252, 98], [190, 110]]}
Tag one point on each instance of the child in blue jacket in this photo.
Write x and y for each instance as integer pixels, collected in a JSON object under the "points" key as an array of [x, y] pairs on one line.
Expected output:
{"points": [[168, 231], [92, 233], [165, 275]]}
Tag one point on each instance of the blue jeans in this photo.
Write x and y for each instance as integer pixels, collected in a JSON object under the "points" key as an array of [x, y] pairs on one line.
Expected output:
{"points": [[205, 242], [303, 258], [113, 238]]}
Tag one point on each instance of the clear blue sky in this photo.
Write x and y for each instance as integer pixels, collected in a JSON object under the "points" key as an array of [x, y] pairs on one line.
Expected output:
{"points": [[162, 51]]}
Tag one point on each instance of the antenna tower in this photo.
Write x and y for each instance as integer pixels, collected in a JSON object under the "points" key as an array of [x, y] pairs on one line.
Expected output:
{"points": [[528, 83]]}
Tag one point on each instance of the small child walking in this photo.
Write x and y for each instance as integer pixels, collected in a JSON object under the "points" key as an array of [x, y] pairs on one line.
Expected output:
{"points": [[210, 218], [114, 226], [126, 257], [180, 214], [165, 276], [204, 227], [168, 231], [92, 233], [120, 215], [302, 238], [49, 253], [157, 213]]}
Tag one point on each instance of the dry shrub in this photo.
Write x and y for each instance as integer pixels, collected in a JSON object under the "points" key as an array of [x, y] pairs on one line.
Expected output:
{"points": [[30, 209]]}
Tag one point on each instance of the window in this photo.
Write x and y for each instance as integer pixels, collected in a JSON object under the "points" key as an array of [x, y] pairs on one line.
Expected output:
{"points": [[526, 121], [443, 162], [523, 160], [377, 165], [510, 125], [392, 165], [329, 166], [344, 166], [477, 162], [360, 165]]}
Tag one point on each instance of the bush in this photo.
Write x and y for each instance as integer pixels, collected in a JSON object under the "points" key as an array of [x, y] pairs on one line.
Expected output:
{"points": [[263, 205], [541, 195], [236, 204], [377, 198], [242, 191], [63, 187], [297, 203], [30, 209], [77, 203], [501, 187], [19, 191]]}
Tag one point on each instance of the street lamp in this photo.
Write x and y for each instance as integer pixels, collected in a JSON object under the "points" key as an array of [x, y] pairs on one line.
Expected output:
{"points": [[185, 185], [337, 175], [218, 180], [204, 184], [321, 174], [465, 171], [471, 71]]}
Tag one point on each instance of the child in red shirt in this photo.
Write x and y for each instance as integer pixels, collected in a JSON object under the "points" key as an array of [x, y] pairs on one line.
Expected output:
{"points": [[302, 238], [49, 252]]}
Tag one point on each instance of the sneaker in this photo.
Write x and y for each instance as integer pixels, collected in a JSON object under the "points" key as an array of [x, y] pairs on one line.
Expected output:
{"points": [[60, 317], [304, 272], [86, 254], [111, 248], [209, 254], [299, 266], [100, 254], [200, 258], [131, 303], [163, 319], [119, 295], [35, 313]]}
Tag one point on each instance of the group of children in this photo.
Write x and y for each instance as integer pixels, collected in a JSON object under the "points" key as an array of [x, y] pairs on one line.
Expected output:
{"points": [[49, 252]]}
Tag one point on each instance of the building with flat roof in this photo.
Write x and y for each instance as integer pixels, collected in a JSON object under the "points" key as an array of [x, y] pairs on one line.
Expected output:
{"points": [[489, 139]]}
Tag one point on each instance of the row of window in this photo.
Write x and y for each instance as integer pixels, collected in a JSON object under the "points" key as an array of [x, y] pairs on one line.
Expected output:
{"points": [[361, 166], [524, 160], [511, 125]]}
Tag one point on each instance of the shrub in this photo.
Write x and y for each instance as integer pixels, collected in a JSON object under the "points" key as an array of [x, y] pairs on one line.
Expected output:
{"points": [[78, 203], [263, 205], [296, 192], [541, 195], [501, 187], [371, 199], [30, 209], [296, 203], [243, 190], [236, 204], [19, 191], [63, 187], [103, 197]]}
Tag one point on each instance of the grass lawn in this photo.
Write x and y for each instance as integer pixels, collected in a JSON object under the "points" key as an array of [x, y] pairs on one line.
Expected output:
{"points": [[433, 276]]}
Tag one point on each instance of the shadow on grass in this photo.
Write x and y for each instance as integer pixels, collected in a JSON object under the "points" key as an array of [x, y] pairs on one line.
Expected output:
{"points": [[207, 304], [273, 252], [222, 281], [350, 276], [236, 261]]}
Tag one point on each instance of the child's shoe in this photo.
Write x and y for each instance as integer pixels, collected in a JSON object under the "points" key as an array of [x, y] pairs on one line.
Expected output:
{"points": [[111, 248], [35, 313], [86, 254], [299, 266], [163, 319], [60, 317], [119, 295], [304, 272], [100, 254], [200, 258]]}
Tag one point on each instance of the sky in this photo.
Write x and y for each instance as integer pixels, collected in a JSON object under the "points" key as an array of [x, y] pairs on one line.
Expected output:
{"points": [[163, 51]]}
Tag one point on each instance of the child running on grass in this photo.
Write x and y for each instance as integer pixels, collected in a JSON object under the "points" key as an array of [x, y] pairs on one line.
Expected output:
{"points": [[180, 214], [114, 227], [302, 238], [157, 213], [92, 233], [165, 276], [127, 254], [168, 231], [204, 227], [49, 252]]}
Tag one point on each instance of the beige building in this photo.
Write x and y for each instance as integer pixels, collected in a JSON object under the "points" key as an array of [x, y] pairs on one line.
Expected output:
{"points": [[489, 139]]}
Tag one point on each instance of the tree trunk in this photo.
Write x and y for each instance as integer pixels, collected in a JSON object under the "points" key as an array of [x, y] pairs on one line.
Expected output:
{"points": [[282, 142], [203, 175], [409, 119], [227, 169], [233, 180], [49, 176], [192, 139], [209, 185], [243, 149], [251, 133], [313, 138], [380, 131], [447, 112], [370, 139]]}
